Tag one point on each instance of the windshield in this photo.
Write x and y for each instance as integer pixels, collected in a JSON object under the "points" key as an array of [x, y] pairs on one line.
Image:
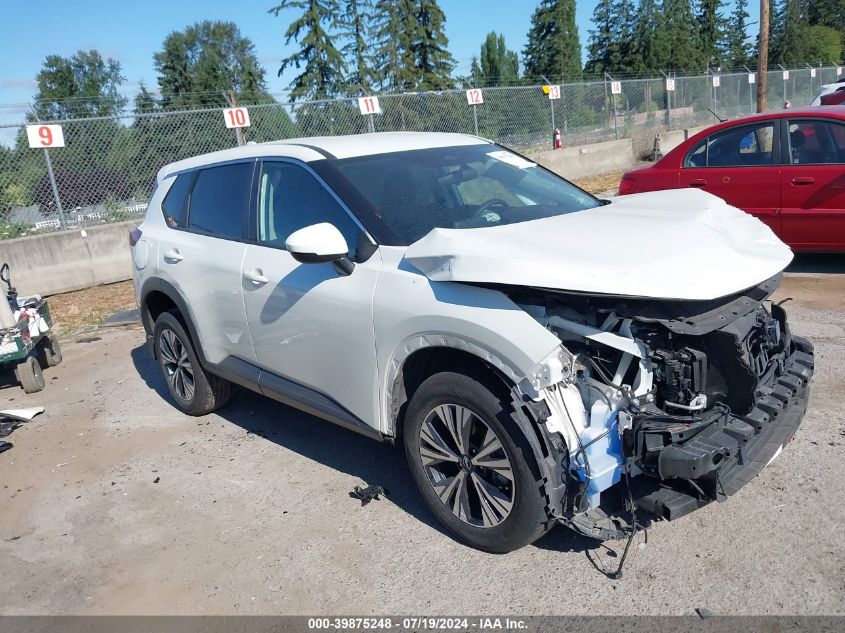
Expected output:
{"points": [[460, 187]]}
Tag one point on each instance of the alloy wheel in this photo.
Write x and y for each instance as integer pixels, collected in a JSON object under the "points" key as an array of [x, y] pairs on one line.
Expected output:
{"points": [[467, 465], [177, 365]]}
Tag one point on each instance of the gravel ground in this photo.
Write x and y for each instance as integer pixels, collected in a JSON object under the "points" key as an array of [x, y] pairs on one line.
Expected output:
{"points": [[113, 503]]}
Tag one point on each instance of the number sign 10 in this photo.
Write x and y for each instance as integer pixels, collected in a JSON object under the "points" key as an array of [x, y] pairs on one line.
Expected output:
{"points": [[236, 117], [45, 136]]}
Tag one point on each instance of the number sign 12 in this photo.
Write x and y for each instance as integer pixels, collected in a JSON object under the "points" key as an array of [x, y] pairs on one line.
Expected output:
{"points": [[474, 96], [45, 136], [236, 117]]}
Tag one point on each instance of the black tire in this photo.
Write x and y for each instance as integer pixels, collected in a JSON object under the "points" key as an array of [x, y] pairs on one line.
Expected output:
{"points": [[208, 392], [527, 518], [49, 352], [29, 375]]}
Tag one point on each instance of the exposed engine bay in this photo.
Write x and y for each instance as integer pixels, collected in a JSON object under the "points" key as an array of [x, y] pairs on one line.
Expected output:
{"points": [[663, 406]]}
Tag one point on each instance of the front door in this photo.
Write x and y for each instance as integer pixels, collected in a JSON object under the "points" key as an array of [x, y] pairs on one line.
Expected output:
{"points": [[311, 326], [813, 185]]}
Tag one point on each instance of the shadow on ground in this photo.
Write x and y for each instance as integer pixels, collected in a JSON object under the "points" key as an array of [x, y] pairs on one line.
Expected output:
{"points": [[335, 447], [821, 263]]}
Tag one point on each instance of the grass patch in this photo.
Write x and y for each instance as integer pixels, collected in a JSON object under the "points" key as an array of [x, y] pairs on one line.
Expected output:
{"points": [[82, 310]]}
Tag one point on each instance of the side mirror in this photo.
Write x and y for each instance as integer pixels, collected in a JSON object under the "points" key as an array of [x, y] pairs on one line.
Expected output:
{"points": [[317, 244]]}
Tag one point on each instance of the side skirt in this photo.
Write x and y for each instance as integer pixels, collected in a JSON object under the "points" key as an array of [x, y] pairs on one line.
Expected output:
{"points": [[292, 394]]}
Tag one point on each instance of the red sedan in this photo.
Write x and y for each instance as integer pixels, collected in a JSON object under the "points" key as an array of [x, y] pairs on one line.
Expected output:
{"points": [[787, 168]]}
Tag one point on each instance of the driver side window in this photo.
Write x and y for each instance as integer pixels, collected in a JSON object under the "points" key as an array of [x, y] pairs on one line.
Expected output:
{"points": [[291, 198], [745, 146]]}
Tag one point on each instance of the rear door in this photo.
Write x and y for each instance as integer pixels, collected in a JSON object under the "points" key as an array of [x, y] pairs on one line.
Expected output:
{"points": [[202, 254], [813, 184], [739, 164]]}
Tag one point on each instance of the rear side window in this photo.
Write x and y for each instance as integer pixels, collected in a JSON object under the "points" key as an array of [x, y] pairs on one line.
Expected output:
{"points": [[220, 201], [175, 205]]}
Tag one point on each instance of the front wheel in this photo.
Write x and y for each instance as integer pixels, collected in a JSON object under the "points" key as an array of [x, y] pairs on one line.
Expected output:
{"points": [[29, 375], [470, 463], [194, 390]]}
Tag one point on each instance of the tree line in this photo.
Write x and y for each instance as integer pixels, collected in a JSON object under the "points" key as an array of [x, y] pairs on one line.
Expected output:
{"points": [[356, 47]]}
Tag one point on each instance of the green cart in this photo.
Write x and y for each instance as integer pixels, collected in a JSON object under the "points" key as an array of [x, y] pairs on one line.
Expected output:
{"points": [[27, 344]]}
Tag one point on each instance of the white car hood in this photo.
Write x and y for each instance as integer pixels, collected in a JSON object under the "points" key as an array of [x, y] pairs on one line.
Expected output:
{"points": [[675, 244]]}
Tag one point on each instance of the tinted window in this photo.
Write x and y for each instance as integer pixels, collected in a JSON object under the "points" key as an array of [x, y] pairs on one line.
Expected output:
{"points": [[220, 200], [470, 186], [175, 205], [744, 146], [816, 142], [291, 198]]}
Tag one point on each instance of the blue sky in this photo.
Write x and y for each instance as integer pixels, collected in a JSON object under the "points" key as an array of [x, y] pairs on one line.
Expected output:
{"points": [[132, 31]]}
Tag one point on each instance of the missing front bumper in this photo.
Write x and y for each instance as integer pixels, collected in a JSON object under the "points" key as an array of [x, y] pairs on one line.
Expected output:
{"points": [[747, 444]]}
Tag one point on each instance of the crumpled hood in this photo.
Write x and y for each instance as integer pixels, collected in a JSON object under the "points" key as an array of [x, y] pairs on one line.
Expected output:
{"points": [[675, 244]]}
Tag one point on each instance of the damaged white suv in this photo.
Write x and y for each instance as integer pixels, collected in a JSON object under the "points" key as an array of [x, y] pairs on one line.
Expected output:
{"points": [[543, 356]]}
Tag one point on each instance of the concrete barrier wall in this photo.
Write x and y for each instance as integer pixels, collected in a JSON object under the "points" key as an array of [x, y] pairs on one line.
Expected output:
{"points": [[670, 140], [588, 160], [64, 261]]}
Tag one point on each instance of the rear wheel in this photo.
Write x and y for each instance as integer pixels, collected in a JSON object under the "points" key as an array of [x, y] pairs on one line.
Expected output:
{"points": [[194, 390], [470, 463], [29, 375]]}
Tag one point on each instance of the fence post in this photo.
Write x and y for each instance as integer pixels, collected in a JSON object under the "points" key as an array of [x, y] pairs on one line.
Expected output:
{"points": [[667, 101], [613, 99], [52, 177]]}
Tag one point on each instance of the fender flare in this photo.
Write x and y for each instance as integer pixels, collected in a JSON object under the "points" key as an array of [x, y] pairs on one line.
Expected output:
{"points": [[155, 284]]}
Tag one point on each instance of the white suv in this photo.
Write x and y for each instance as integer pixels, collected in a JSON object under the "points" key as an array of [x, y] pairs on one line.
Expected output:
{"points": [[543, 356]]}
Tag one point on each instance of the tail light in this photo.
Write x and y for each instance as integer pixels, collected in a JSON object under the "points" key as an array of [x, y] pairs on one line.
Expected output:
{"points": [[628, 185], [134, 236]]}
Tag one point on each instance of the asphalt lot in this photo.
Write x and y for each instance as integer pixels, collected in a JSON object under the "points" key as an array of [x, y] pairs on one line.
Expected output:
{"points": [[251, 513]]}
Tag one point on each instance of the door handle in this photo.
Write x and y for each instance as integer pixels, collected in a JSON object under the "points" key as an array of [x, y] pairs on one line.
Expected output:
{"points": [[173, 255], [698, 182], [256, 277], [803, 180]]}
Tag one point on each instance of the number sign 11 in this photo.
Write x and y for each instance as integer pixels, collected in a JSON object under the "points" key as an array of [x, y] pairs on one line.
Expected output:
{"points": [[236, 117], [369, 105], [45, 136]]}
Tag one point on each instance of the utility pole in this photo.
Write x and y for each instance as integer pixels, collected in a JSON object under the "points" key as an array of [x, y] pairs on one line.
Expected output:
{"points": [[763, 56]]}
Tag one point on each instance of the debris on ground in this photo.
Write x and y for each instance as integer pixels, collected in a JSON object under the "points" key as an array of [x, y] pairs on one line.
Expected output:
{"points": [[5, 446], [11, 419], [704, 612], [368, 494]]}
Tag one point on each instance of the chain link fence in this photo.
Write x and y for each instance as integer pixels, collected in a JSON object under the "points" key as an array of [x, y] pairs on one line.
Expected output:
{"points": [[106, 170]]}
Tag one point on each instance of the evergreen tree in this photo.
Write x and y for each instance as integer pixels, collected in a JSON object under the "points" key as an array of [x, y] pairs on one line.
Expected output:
{"points": [[429, 45], [197, 65], [355, 28], [496, 65], [676, 38], [735, 49], [601, 41], [827, 13], [392, 57], [711, 31], [323, 67], [789, 32], [82, 85], [553, 47], [644, 58]]}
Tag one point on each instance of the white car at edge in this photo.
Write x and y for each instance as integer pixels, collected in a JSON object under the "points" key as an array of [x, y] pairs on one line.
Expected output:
{"points": [[543, 356]]}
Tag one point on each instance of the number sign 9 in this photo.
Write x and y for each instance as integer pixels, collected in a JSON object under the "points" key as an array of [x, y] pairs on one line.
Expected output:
{"points": [[45, 136], [236, 117]]}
